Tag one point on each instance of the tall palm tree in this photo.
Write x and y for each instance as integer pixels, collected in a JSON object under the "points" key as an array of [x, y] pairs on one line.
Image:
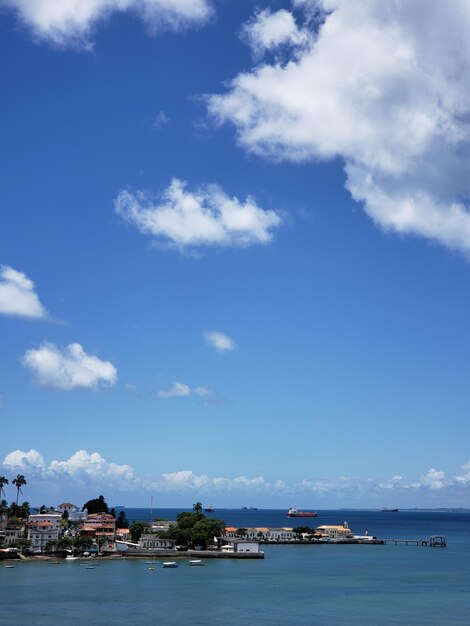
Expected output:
{"points": [[3, 481], [197, 508], [19, 482]]}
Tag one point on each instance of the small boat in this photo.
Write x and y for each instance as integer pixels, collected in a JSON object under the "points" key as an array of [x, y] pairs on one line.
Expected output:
{"points": [[55, 562], [90, 567], [385, 510], [169, 564], [293, 512], [253, 508], [9, 566], [196, 562], [244, 508], [151, 562], [150, 568], [209, 509]]}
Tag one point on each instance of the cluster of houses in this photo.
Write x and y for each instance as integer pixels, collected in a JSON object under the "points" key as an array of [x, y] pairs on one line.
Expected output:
{"points": [[44, 528], [47, 527]]}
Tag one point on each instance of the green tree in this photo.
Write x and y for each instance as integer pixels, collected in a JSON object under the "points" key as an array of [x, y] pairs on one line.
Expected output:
{"points": [[97, 505], [137, 529], [3, 481], [241, 532], [3, 507], [64, 543], [121, 520], [20, 543], [197, 508], [19, 511], [192, 529], [82, 543], [19, 482]]}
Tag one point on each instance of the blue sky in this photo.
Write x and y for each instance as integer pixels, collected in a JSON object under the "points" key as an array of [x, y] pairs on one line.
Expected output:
{"points": [[234, 243]]}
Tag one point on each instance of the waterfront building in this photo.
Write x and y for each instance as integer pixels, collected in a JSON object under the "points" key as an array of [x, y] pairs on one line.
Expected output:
{"points": [[335, 532], [99, 524], [13, 532], [41, 532], [227, 544], [53, 518], [263, 533], [153, 541]]}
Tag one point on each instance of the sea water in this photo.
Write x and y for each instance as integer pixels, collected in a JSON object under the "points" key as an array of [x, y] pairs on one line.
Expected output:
{"points": [[323, 585]]}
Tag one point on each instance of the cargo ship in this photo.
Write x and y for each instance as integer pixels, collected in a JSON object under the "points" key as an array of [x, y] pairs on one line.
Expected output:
{"points": [[293, 512]]}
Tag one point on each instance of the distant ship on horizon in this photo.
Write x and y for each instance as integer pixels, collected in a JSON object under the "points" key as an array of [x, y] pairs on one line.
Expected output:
{"points": [[386, 510], [293, 512]]}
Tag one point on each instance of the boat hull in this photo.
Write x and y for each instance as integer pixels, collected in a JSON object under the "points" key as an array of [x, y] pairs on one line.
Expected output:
{"points": [[302, 514]]}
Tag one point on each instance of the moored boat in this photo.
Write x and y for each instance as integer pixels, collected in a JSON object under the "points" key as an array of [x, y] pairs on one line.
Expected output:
{"points": [[196, 562], [169, 564], [293, 512]]}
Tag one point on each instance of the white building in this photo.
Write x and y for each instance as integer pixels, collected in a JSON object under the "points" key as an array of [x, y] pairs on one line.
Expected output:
{"points": [[263, 533], [73, 512], [40, 533], [153, 542], [238, 545]]}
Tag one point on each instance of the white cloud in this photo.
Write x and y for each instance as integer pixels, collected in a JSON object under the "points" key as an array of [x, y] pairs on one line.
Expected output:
{"points": [[176, 390], [68, 368], [434, 479], [20, 460], [80, 467], [161, 119], [385, 87], [181, 390], [70, 22], [90, 472], [204, 217], [219, 341], [269, 30], [17, 295]]}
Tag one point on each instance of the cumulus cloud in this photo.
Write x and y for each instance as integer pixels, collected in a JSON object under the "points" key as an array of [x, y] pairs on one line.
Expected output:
{"points": [[383, 86], [186, 480], [268, 30], [80, 467], [91, 472], [21, 460], [181, 390], [206, 216], [176, 390], [70, 22], [18, 296], [69, 368], [219, 341]]}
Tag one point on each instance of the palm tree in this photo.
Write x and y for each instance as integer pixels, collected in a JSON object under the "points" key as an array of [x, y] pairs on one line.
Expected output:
{"points": [[19, 482], [197, 508], [3, 481]]}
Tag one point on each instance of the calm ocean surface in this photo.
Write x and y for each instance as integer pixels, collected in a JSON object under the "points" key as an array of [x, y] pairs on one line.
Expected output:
{"points": [[326, 585]]}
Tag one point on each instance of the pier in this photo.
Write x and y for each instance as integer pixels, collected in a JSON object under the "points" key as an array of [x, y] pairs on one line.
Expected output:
{"points": [[436, 541]]}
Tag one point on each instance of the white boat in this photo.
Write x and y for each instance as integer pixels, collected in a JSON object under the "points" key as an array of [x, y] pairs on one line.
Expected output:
{"points": [[196, 562], [169, 564]]}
